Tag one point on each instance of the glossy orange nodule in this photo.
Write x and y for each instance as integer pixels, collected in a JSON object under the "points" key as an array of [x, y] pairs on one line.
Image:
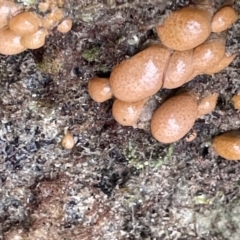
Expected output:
{"points": [[99, 89], [186, 28], [140, 76], [227, 145], [223, 19], [127, 113], [10, 43], [68, 141], [25, 23], [174, 118]]}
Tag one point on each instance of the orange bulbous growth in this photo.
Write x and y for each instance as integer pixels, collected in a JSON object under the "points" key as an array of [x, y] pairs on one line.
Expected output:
{"points": [[186, 28], [56, 15], [207, 104], [208, 54], [236, 101], [48, 23], [127, 113], [60, 3], [65, 26], [227, 145], [99, 89], [140, 76], [52, 19], [224, 63], [10, 43], [25, 23], [35, 40], [174, 118], [7, 10], [68, 141], [179, 69], [43, 6], [223, 19]]}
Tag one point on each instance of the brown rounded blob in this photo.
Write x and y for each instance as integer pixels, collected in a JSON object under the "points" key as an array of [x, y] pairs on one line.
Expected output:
{"points": [[140, 76], [10, 43], [207, 104], [56, 15], [68, 141], [7, 9], [226, 60], [227, 145], [65, 26], [52, 19], [35, 40], [127, 113], [236, 101], [25, 23], [185, 29], [223, 19], [99, 89], [179, 69], [60, 3], [52, 4], [208, 54], [43, 6], [48, 23], [174, 118]]}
